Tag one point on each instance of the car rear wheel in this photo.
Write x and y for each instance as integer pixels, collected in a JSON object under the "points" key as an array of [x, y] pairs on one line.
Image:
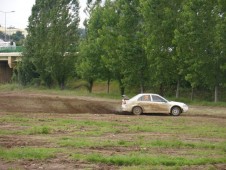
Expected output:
{"points": [[137, 110], [176, 111]]}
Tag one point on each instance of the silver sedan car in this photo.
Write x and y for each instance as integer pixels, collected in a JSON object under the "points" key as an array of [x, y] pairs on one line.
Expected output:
{"points": [[152, 103]]}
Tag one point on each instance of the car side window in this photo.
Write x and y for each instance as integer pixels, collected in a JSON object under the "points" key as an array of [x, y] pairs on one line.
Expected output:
{"points": [[157, 99], [145, 98]]}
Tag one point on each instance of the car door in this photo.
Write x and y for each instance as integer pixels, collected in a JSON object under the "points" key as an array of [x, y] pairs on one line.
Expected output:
{"points": [[144, 102], [159, 104]]}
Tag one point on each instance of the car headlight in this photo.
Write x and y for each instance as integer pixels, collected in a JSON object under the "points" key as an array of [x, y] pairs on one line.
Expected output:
{"points": [[185, 106]]}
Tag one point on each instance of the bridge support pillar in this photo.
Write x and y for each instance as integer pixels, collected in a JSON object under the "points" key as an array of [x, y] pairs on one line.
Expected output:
{"points": [[5, 72], [11, 61]]}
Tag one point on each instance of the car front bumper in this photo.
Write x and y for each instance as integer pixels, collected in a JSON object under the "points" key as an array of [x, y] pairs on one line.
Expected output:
{"points": [[185, 108]]}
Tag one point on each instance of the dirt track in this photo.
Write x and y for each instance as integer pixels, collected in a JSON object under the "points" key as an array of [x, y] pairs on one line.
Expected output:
{"points": [[40, 103]]}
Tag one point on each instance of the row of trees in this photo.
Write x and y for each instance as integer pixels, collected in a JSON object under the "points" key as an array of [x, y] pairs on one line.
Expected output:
{"points": [[141, 44], [157, 44]]}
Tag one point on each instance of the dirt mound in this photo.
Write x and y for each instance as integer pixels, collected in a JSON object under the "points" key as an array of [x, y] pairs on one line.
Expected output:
{"points": [[36, 103]]}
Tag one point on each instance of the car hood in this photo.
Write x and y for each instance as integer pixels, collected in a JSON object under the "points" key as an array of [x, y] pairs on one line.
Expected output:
{"points": [[176, 103]]}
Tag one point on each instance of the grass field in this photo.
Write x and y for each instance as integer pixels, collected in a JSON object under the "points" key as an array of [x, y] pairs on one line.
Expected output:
{"points": [[112, 141], [41, 139]]}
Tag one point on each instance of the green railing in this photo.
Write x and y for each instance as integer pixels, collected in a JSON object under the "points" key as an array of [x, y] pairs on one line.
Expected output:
{"points": [[11, 49]]}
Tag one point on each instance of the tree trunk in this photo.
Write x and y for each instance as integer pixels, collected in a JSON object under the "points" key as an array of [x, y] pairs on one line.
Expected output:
{"points": [[142, 81], [192, 93], [108, 85], [122, 88], [161, 89], [216, 94], [62, 85], [178, 89], [141, 88], [90, 86]]}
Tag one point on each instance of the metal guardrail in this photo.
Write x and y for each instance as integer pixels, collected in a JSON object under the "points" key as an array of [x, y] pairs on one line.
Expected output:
{"points": [[11, 49]]}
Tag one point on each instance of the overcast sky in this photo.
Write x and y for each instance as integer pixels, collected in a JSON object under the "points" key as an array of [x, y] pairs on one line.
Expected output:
{"points": [[22, 8]]}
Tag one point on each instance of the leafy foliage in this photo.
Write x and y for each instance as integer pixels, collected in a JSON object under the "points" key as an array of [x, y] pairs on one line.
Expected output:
{"points": [[52, 40], [158, 45], [161, 44]]}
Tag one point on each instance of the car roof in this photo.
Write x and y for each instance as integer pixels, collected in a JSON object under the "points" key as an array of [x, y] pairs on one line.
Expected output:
{"points": [[141, 94], [147, 94]]}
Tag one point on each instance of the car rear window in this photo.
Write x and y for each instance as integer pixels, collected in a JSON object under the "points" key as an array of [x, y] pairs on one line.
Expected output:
{"points": [[145, 98]]}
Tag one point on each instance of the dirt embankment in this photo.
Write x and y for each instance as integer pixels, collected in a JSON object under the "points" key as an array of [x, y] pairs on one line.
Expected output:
{"points": [[40, 103], [48, 103]]}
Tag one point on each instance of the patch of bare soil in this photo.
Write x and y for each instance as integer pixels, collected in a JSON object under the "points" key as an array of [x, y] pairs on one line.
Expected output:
{"points": [[37, 103], [10, 141]]}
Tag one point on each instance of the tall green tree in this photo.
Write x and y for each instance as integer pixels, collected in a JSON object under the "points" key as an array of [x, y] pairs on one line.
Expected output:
{"points": [[199, 38], [52, 39], [108, 41], [160, 21], [220, 46], [121, 39], [89, 65], [130, 44], [187, 43]]}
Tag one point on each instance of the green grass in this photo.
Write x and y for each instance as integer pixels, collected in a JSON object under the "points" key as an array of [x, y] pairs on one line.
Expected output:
{"points": [[9, 132], [193, 145], [180, 126], [148, 144], [83, 128], [93, 142], [144, 159], [83, 134], [14, 119], [27, 153], [39, 130]]}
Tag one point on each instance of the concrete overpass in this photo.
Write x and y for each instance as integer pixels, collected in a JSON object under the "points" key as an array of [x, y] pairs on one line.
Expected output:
{"points": [[7, 63]]}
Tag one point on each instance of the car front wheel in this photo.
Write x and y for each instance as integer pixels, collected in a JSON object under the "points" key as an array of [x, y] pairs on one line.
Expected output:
{"points": [[176, 111], [137, 110]]}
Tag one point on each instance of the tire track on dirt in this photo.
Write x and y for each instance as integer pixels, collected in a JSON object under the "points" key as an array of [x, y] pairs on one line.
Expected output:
{"points": [[30, 103], [50, 103]]}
